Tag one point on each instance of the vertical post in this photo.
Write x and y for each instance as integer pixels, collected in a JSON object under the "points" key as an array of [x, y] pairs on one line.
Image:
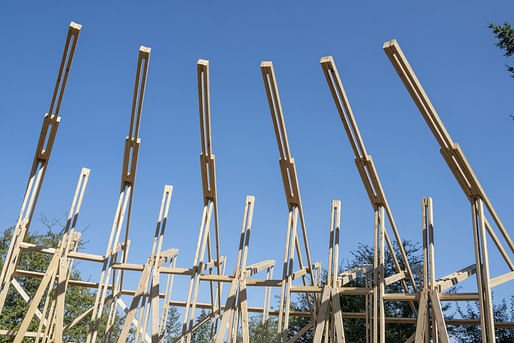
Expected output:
{"points": [[375, 277], [430, 215], [482, 273], [382, 274], [424, 281], [292, 193]]}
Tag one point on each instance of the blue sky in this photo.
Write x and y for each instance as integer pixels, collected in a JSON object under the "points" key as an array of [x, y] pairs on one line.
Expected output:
{"points": [[448, 44]]}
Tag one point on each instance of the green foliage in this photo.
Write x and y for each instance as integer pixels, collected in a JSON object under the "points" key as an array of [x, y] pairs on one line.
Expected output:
{"points": [[78, 299], [173, 328], [473, 334], [203, 333], [505, 35], [262, 332]]}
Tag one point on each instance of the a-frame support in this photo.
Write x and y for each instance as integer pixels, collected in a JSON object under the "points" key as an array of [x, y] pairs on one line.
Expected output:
{"points": [[42, 156], [329, 319], [236, 299], [150, 276], [236, 305], [430, 321], [294, 204], [130, 157], [470, 185]]}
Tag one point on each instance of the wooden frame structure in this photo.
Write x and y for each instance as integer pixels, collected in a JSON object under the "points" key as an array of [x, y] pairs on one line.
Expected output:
{"points": [[229, 317], [461, 169], [124, 206], [294, 204]]}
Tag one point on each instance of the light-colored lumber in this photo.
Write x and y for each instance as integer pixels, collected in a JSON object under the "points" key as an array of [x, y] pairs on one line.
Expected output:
{"points": [[439, 317], [123, 209], [322, 315], [451, 151], [501, 279], [454, 278], [293, 199], [354, 273], [56, 260], [363, 161], [40, 163], [421, 321]]}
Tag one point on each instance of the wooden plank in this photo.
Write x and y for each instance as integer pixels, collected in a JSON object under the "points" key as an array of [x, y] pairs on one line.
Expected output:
{"points": [[134, 321], [39, 165], [228, 310], [421, 321], [454, 278], [258, 267], [354, 273], [337, 316], [501, 279], [364, 162], [411, 82], [394, 278], [135, 301], [437, 312], [26, 298], [291, 190], [323, 314]]}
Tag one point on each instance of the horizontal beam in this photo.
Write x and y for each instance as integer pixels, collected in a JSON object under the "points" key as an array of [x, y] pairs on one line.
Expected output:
{"points": [[354, 273], [342, 290], [454, 278]]}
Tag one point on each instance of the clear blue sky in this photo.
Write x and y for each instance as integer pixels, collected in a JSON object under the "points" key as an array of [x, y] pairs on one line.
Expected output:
{"points": [[448, 44]]}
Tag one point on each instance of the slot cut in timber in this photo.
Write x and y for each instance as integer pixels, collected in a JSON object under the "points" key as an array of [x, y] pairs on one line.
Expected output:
{"points": [[365, 166], [294, 203], [208, 173], [123, 209], [466, 178], [40, 163]]}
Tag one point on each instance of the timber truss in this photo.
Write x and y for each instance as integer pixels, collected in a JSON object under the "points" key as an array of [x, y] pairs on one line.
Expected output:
{"points": [[228, 312]]}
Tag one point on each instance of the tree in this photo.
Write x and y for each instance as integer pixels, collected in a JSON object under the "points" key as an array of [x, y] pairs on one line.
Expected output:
{"points": [[78, 299], [473, 334], [173, 328], [262, 332], [505, 35], [203, 333]]}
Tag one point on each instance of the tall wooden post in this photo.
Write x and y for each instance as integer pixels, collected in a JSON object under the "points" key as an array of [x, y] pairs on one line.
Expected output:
{"points": [[294, 203], [39, 165]]}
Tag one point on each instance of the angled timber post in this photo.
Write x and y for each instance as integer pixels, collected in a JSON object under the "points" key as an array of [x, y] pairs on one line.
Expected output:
{"points": [[42, 156], [468, 181], [366, 169], [128, 175], [208, 170], [363, 161], [294, 203]]}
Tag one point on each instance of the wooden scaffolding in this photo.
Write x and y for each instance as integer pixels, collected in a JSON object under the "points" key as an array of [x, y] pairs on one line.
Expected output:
{"points": [[228, 312]]}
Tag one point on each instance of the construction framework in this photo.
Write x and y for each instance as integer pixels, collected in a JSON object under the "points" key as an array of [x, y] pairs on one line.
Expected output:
{"points": [[228, 312]]}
